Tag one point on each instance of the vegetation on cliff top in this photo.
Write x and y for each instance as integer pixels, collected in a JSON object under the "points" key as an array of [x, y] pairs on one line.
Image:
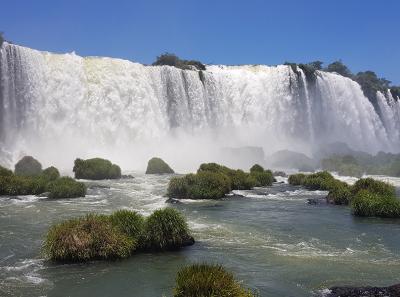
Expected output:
{"points": [[173, 60]]}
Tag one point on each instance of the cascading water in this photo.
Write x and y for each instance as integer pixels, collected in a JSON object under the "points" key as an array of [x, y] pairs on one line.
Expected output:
{"points": [[59, 107]]}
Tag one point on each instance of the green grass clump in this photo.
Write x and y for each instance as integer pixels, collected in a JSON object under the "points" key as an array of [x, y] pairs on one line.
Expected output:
{"points": [[374, 186], [158, 166], [28, 166], [263, 178], [202, 280], [13, 185], [370, 204], [130, 223], [297, 179], [322, 180], [96, 169], [167, 229], [5, 172], [88, 238], [203, 185], [340, 193], [51, 173], [124, 232], [66, 187], [214, 181]]}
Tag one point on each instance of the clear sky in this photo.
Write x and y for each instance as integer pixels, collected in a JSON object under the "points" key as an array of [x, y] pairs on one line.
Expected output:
{"points": [[363, 33]]}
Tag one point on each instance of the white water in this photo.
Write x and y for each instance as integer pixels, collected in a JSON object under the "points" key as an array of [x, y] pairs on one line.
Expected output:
{"points": [[59, 107]]}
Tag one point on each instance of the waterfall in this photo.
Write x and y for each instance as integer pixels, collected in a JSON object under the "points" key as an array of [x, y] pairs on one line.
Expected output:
{"points": [[62, 106]]}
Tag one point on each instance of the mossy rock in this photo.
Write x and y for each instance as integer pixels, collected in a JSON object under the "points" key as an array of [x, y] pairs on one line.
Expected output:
{"points": [[339, 194], [96, 169], [167, 229], [92, 237], [297, 179], [28, 166], [66, 187], [208, 281], [158, 166]]}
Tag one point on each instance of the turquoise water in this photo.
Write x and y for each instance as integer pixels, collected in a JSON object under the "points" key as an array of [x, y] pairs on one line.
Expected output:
{"points": [[271, 239]]}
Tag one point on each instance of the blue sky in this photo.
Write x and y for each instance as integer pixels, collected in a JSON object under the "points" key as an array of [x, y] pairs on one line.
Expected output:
{"points": [[363, 33]]}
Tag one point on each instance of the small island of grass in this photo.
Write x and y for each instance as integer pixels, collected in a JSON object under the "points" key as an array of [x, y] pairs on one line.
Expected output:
{"points": [[214, 181], [116, 236], [367, 197]]}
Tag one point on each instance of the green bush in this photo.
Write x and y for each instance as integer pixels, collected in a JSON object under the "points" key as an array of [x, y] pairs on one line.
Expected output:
{"points": [[66, 187], [202, 280], [373, 204], [166, 229], [322, 180], [263, 179], [115, 236], [13, 185], [256, 168], [5, 171], [203, 185], [241, 180], [158, 166], [28, 166], [297, 179], [51, 173], [373, 186], [172, 60], [339, 193], [96, 169], [89, 238], [130, 223]]}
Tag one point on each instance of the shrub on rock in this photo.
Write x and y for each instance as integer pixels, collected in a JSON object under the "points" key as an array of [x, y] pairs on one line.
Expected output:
{"points": [[89, 238], [51, 173], [167, 229], [96, 169], [66, 187], [13, 185], [28, 166], [208, 281], [158, 166]]}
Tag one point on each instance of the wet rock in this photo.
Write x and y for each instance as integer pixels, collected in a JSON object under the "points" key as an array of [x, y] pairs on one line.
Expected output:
{"points": [[391, 291], [127, 176], [315, 201], [173, 201], [45, 194]]}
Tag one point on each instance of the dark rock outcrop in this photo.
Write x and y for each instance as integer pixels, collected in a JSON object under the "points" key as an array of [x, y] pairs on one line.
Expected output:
{"points": [[391, 291]]}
